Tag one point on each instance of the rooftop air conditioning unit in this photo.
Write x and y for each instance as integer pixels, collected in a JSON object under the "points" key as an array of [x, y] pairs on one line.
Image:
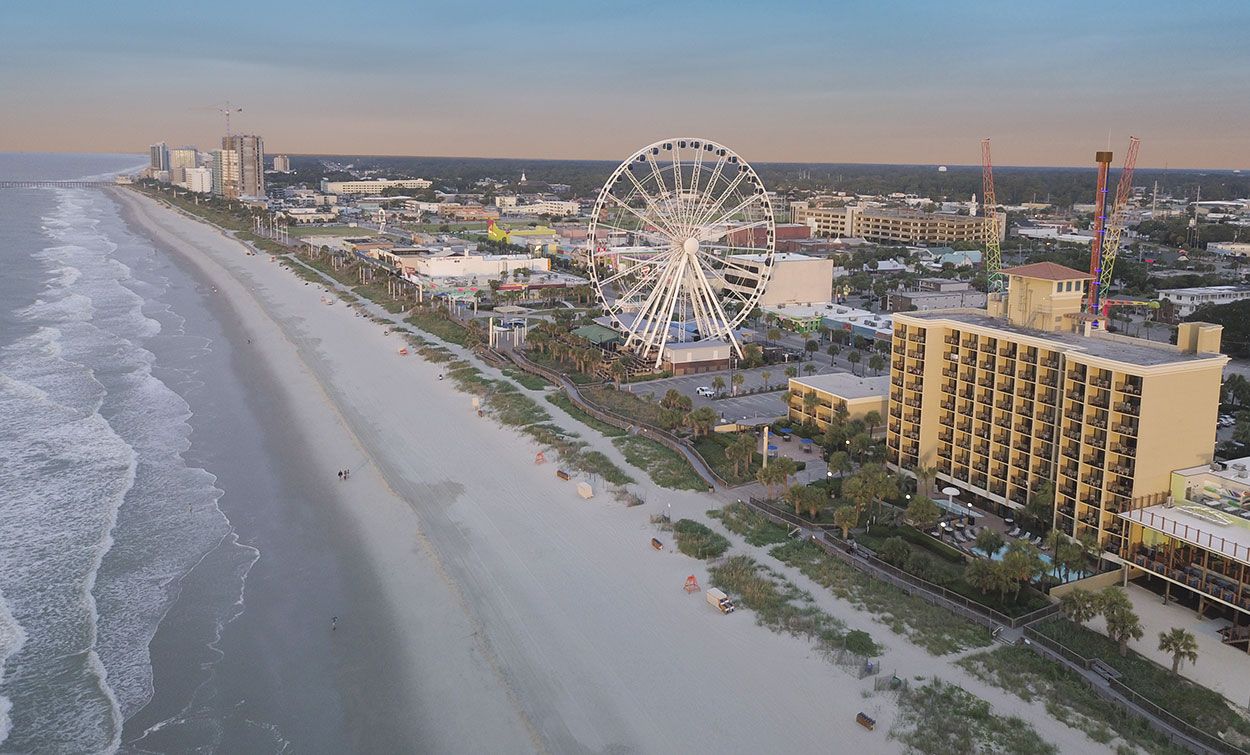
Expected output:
{"points": [[1243, 473], [1239, 467]]}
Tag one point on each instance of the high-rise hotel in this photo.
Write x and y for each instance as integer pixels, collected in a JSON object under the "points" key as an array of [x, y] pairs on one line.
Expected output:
{"points": [[1029, 391]]}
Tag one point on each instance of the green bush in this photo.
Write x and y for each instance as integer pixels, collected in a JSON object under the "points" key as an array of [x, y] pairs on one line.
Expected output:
{"points": [[696, 540]]}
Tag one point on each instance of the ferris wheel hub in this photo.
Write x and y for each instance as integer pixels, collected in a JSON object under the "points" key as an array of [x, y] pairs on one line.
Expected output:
{"points": [[691, 245]]}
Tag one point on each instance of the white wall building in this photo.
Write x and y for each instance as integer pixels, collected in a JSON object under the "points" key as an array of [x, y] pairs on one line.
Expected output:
{"points": [[796, 279], [479, 264], [1187, 300], [199, 180], [372, 187], [545, 207]]}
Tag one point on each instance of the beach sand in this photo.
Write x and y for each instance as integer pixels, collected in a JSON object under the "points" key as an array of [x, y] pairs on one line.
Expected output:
{"points": [[512, 615]]}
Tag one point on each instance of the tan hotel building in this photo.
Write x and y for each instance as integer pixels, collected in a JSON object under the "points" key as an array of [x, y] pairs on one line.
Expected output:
{"points": [[902, 226], [1025, 392]]}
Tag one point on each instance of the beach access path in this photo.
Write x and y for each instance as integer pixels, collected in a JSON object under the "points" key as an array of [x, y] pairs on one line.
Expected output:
{"points": [[554, 626]]}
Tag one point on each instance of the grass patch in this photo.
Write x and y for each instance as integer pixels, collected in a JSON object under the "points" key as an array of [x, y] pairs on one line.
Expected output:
{"points": [[562, 400], [511, 407], [436, 324], [341, 231], [1029, 676], [782, 607], [625, 404], [528, 380], [712, 448], [595, 462], [376, 292], [754, 527], [934, 629], [1197, 705], [666, 467], [942, 719], [697, 541]]}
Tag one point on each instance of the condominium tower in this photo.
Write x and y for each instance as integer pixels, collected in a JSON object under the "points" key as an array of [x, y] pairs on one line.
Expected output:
{"points": [[251, 156], [1029, 391]]}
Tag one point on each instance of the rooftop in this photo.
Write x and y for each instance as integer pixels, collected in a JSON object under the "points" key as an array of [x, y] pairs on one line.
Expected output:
{"points": [[1099, 344], [1049, 271], [779, 257], [846, 385], [1200, 524], [1200, 290]]}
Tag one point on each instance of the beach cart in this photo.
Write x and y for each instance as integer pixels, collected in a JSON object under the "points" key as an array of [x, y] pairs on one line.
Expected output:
{"points": [[655, 543]]}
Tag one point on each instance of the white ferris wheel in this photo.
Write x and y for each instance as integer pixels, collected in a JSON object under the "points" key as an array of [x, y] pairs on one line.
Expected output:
{"points": [[681, 245]]}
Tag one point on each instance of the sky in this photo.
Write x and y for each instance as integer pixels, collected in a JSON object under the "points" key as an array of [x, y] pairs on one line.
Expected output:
{"points": [[1048, 81]]}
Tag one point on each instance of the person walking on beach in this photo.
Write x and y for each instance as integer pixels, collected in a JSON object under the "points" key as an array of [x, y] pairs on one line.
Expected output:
{"points": [[340, 475], [334, 623]]}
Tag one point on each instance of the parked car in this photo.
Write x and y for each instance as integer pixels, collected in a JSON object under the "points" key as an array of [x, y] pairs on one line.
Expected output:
{"points": [[704, 390]]}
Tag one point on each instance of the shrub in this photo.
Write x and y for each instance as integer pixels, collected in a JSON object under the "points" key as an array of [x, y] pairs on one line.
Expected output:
{"points": [[696, 540]]}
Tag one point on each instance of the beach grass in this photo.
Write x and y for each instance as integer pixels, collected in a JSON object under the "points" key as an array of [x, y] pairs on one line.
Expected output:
{"points": [[597, 463], [666, 467], [697, 540], [1195, 704], [528, 380], [936, 630], [625, 404], [754, 527], [942, 719], [562, 400], [1068, 698], [782, 607], [435, 324]]}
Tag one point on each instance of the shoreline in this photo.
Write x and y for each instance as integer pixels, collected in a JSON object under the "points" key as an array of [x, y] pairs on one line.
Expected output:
{"points": [[375, 715]]}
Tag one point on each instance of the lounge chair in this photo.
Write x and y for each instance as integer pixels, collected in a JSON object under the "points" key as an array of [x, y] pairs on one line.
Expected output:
{"points": [[959, 537], [1014, 532], [1037, 540]]}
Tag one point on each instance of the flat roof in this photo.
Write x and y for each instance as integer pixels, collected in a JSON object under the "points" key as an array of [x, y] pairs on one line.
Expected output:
{"points": [[846, 385], [1098, 344], [1202, 525], [1199, 290], [684, 345], [1235, 470]]}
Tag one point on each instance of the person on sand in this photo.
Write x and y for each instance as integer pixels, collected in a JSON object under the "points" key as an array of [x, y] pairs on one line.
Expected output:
{"points": [[340, 474], [334, 623]]}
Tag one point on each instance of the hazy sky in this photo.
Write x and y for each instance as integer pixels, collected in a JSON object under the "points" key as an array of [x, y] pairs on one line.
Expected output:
{"points": [[866, 81]]}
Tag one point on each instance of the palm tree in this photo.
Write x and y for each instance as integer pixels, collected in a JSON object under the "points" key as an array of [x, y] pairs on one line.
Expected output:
{"points": [[980, 575], [875, 363], [873, 420], [741, 450], [1181, 644], [833, 350], [846, 517], [840, 462], [810, 402], [737, 381], [792, 371], [811, 347], [809, 368], [924, 478], [768, 476], [989, 542], [767, 376], [718, 384], [1080, 605], [619, 371], [773, 335], [786, 468], [854, 358], [1122, 623], [924, 513]]}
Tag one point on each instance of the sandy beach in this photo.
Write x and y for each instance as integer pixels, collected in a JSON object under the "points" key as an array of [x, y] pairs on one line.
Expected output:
{"points": [[504, 613]]}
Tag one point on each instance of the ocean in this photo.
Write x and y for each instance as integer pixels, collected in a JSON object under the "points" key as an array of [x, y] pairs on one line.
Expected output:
{"points": [[116, 399]]}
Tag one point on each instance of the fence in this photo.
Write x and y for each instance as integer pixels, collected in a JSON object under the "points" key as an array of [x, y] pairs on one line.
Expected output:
{"points": [[701, 467], [1181, 732]]}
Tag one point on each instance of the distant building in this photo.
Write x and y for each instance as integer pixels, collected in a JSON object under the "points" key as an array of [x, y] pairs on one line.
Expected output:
{"points": [[226, 173], [545, 207], [199, 180], [282, 163], [159, 157], [1229, 248], [695, 357], [1186, 300], [372, 187], [952, 295], [250, 150], [901, 226], [795, 279], [179, 161]]}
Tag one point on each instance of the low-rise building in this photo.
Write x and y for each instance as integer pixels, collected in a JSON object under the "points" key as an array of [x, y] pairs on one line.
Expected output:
{"points": [[905, 226], [696, 356], [372, 187], [1186, 300], [949, 295], [795, 279], [859, 396]]}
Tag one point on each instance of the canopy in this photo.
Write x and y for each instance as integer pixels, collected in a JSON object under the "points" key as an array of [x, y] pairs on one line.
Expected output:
{"points": [[807, 440]]}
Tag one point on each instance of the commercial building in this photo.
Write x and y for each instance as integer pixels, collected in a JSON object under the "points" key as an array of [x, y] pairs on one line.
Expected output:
{"points": [[698, 356], [554, 207], [858, 395], [795, 279], [158, 159], [199, 180], [899, 226], [250, 151], [226, 173], [179, 161], [282, 163], [1186, 300], [1004, 400], [936, 293], [372, 187], [1229, 248]]}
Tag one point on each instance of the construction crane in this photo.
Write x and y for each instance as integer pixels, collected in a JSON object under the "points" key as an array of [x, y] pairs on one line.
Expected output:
{"points": [[225, 109], [993, 254], [1107, 242]]}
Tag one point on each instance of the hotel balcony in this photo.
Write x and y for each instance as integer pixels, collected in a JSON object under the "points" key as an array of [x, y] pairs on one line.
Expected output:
{"points": [[1076, 395], [952, 340], [1127, 407], [1129, 388]]}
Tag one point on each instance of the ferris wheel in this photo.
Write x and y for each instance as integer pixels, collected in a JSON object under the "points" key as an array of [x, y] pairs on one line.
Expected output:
{"points": [[681, 245]]}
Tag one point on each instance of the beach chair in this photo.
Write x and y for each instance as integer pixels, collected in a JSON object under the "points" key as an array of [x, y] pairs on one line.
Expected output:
{"points": [[1037, 540], [1014, 532], [960, 537]]}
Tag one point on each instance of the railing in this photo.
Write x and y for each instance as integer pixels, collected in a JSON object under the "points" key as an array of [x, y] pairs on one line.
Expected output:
{"points": [[1178, 730]]}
